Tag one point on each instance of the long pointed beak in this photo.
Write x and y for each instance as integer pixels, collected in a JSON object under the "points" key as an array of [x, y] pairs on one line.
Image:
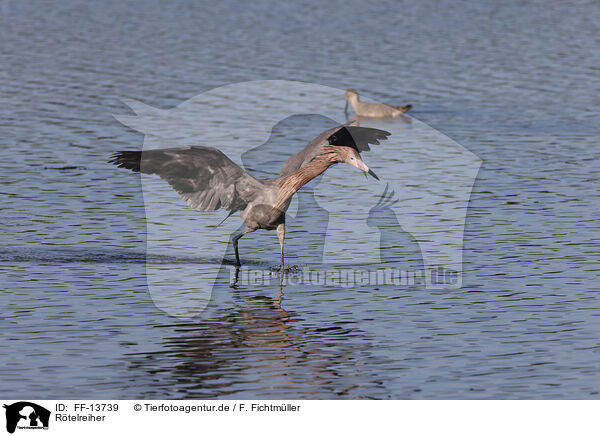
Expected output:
{"points": [[346, 107], [363, 166]]}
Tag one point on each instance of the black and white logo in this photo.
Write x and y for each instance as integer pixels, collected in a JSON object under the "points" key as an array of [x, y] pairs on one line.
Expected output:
{"points": [[26, 415]]}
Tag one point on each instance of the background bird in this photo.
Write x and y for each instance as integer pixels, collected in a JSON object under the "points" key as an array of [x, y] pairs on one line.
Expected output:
{"points": [[207, 179], [374, 110]]}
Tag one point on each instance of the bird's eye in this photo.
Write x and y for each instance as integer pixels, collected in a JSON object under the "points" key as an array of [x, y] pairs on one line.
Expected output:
{"points": [[351, 157]]}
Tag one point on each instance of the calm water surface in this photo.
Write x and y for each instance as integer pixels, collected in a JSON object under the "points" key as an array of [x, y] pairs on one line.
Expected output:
{"points": [[517, 84]]}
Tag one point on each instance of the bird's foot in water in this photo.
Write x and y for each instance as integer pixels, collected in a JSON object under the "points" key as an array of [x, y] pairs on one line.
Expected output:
{"points": [[286, 269]]}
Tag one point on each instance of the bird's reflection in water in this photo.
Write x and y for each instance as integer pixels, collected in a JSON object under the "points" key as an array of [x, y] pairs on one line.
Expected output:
{"points": [[245, 342], [248, 345]]}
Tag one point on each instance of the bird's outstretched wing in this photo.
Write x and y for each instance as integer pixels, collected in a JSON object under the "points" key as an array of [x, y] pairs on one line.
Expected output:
{"points": [[346, 135], [203, 176], [357, 137]]}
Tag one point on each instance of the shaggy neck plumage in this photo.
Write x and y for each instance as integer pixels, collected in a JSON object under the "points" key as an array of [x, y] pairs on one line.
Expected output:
{"points": [[290, 184]]}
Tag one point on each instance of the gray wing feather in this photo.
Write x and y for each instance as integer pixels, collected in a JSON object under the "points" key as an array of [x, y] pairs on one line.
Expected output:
{"points": [[203, 176]]}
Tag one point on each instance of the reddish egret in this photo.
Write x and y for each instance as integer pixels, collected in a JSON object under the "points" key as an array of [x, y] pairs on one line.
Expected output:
{"points": [[360, 138], [373, 110], [208, 180]]}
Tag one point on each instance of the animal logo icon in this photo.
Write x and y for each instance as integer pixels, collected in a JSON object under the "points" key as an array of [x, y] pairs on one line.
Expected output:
{"points": [[24, 414]]}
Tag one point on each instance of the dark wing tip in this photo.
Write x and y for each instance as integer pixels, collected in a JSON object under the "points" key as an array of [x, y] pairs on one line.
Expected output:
{"points": [[370, 132], [127, 159], [357, 137], [342, 137]]}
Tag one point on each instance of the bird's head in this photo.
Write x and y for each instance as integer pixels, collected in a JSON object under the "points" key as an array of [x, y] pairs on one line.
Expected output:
{"points": [[349, 155], [352, 157], [342, 148], [350, 95]]}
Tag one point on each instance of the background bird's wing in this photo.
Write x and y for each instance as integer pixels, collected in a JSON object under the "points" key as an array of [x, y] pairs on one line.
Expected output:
{"points": [[347, 135], [203, 176], [403, 108]]}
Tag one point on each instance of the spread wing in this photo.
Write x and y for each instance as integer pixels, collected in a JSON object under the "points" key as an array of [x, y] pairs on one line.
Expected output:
{"points": [[346, 135], [358, 137], [203, 176]]}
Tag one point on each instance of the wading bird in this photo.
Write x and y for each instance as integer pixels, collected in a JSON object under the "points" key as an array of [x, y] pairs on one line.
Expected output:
{"points": [[360, 138], [208, 180], [373, 110]]}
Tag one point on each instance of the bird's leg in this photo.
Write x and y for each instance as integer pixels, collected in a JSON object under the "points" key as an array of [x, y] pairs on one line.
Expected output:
{"points": [[235, 247], [235, 244], [281, 235]]}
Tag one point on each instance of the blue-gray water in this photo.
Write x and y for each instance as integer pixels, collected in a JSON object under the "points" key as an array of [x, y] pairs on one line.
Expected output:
{"points": [[516, 83]]}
